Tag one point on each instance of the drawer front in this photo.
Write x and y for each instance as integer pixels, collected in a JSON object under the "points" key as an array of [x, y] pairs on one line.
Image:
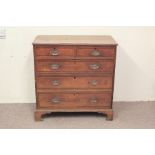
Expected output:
{"points": [[73, 100], [74, 82], [96, 52], [55, 52], [87, 66]]}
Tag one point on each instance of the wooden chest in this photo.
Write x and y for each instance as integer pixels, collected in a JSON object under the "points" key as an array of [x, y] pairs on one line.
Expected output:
{"points": [[74, 74]]}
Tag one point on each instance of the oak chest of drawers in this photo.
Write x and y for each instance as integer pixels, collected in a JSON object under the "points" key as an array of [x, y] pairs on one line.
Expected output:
{"points": [[74, 74]]}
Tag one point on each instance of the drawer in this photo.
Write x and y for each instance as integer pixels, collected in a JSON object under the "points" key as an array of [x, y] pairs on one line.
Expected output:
{"points": [[106, 66], [96, 52], [74, 82], [74, 100], [55, 52]]}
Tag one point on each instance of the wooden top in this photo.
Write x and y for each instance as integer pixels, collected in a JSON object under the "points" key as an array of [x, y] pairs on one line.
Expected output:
{"points": [[74, 40]]}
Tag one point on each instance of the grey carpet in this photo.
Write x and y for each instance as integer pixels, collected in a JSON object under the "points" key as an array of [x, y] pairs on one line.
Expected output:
{"points": [[136, 115]]}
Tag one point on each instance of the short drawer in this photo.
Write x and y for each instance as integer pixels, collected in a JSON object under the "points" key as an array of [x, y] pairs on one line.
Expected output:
{"points": [[106, 66], [74, 82], [74, 100], [96, 52], [55, 52]]}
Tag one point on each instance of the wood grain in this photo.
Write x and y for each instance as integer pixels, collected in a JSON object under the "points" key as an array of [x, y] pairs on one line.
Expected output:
{"points": [[106, 66], [79, 82], [73, 100], [74, 73], [62, 51], [103, 51], [74, 40]]}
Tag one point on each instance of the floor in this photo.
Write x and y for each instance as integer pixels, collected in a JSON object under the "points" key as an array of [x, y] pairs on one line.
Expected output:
{"points": [[127, 115]]}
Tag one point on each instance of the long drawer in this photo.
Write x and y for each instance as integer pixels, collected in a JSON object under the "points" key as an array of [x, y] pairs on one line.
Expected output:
{"points": [[73, 100], [78, 82], [104, 66]]}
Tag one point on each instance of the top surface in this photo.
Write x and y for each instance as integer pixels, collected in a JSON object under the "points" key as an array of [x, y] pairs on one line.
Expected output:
{"points": [[74, 40]]}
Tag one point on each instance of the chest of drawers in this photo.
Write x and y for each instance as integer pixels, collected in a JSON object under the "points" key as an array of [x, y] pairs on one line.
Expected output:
{"points": [[74, 74]]}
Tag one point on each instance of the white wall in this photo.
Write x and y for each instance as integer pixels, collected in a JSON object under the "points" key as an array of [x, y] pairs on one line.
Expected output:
{"points": [[135, 67]]}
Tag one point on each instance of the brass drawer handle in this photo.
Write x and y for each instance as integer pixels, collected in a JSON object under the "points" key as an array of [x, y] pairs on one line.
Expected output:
{"points": [[95, 53], [94, 66], [55, 82], [94, 100], [54, 52], [94, 82], [55, 100], [55, 66]]}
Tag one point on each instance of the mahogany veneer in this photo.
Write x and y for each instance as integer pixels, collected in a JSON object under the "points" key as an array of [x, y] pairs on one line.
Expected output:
{"points": [[74, 74]]}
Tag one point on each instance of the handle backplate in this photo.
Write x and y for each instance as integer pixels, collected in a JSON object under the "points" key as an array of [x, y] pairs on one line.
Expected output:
{"points": [[93, 100], [55, 82], [54, 52], [55, 66], [94, 66], [95, 53], [94, 82], [55, 100]]}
